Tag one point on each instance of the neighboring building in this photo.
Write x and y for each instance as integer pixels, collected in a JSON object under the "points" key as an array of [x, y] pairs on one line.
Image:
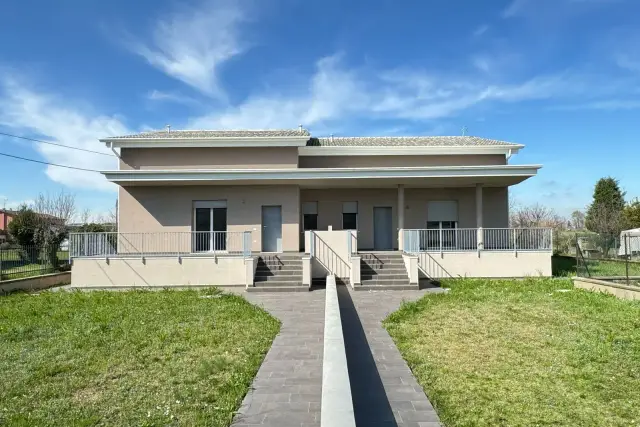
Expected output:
{"points": [[5, 218], [252, 192]]}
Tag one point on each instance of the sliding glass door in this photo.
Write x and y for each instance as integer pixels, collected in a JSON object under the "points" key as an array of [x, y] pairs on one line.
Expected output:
{"points": [[210, 226]]}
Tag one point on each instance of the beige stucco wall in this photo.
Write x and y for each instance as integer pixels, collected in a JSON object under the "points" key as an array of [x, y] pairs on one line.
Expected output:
{"points": [[123, 272], [486, 264], [398, 161], [155, 209], [495, 207], [209, 158]]}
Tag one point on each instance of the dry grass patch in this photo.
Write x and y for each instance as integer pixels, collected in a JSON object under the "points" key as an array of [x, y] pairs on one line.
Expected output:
{"points": [[524, 353]]}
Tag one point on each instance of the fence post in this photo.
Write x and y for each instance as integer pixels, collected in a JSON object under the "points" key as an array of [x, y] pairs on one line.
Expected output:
{"points": [[312, 244], [626, 256], [247, 243], [349, 244], [515, 245], [440, 234]]}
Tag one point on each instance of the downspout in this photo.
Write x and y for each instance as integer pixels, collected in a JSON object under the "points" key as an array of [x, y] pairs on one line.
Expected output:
{"points": [[114, 151]]}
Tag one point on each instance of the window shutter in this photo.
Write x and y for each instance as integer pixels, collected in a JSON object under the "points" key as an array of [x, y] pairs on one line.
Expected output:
{"points": [[442, 211]]}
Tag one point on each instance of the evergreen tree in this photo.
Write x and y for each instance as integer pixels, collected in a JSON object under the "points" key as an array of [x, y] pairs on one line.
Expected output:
{"points": [[605, 212]]}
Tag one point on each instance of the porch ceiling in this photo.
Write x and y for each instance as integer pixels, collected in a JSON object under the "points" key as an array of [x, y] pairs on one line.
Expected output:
{"points": [[417, 177]]}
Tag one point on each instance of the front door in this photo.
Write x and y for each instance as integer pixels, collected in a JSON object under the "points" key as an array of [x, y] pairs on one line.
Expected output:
{"points": [[272, 229], [382, 229]]}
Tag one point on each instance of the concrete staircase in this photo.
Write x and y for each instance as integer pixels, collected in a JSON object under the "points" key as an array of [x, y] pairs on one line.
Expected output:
{"points": [[278, 273], [383, 271]]}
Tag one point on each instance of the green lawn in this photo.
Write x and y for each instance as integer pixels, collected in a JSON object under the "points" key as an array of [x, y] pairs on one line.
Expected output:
{"points": [[128, 358], [524, 353], [15, 267], [566, 266]]}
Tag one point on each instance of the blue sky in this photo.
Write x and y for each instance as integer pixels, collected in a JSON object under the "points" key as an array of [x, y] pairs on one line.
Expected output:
{"points": [[560, 76]]}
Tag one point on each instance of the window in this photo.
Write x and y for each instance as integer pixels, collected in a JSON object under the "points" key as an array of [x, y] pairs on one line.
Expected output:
{"points": [[442, 220], [209, 226], [310, 216], [350, 215]]}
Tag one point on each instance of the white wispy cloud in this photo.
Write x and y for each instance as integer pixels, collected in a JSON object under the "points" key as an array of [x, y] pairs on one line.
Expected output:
{"points": [[178, 98], [480, 30], [519, 8], [336, 95], [192, 44], [13, 204], [52, 117]]}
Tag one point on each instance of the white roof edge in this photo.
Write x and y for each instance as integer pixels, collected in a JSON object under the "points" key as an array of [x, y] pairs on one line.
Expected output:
{"points": [[280, 141], [320, 173], [210, 138], [403, 150]]}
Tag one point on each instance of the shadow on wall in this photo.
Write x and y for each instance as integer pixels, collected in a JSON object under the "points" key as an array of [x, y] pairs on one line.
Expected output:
{"points": [[370, 403]]}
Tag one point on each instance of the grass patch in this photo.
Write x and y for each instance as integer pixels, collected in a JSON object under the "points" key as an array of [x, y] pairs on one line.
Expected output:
{"points": [[565, 266], [128, 358], [520, 353]]}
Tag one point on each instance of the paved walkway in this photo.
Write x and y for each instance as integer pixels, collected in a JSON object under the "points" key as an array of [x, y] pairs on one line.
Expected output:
{"points": [[384, 391], [287, 390], [288, 387]]}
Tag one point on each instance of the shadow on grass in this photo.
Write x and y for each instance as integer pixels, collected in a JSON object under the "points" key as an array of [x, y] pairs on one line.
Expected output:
{"points": [[563, 266]]}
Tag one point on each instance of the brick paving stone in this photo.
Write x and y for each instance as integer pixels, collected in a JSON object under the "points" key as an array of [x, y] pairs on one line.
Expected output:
{"points": [[287, 390], [288, 387]]}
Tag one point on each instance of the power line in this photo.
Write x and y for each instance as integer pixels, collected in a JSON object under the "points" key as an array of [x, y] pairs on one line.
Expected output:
{"points": [[47, 163], [56, 144]]}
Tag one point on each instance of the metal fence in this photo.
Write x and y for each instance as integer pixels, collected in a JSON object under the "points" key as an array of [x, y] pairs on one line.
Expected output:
{"points": [[609, 257], [114, 244], [473, 239], [17, 261]]}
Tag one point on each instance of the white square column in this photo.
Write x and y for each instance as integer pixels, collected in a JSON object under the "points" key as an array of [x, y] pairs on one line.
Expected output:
{"points": [[400, 217], [479, 224]]}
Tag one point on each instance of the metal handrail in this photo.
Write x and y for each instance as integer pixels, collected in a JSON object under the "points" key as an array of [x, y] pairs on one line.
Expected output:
{"points": [[170, 243], [478, 239]]}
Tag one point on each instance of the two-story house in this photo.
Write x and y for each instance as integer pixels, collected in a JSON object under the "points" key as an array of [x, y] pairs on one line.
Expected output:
{"points": [[252, 194]]}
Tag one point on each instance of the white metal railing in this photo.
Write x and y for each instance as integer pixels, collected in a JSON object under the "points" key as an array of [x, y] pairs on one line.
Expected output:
{"points": [[478, 239], [115, 244]]}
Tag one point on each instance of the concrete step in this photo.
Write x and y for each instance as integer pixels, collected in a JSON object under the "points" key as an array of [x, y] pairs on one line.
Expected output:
{"points": [[385, 282], [283, 272], [278, 289], [280, 264], [383, 276], [365, 270], [283, 279], [387, 288]]}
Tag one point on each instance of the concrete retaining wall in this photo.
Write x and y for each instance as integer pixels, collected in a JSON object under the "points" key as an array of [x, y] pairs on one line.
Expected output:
{"points": [[35, 283], [485, 264], [162, 271], [337, 404], [595, 285]]}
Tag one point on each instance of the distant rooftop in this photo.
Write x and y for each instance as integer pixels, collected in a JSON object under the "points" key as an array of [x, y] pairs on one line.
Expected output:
{"points": [[405, 141], [205, 134]]}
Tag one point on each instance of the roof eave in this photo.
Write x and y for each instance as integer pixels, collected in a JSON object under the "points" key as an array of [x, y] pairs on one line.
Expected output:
{"points": [[254, 141], [124, 176], [392, 150]]}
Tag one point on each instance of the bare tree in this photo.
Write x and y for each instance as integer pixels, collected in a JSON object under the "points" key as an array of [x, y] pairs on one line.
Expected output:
{"points": [[577, 220], [54, 212], [536, 215], [85, 216], [58, 208]]}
